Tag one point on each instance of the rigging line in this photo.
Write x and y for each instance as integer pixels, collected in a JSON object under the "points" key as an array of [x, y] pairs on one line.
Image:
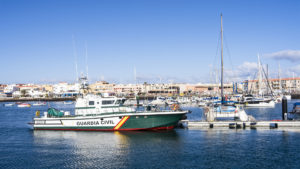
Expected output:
{"points": [[217, 51], [228, 52], [250, 91], [75, 55], [214, 66], [267, 81]]}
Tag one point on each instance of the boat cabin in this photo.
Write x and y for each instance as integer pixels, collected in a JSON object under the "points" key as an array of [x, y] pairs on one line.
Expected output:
{"points": [[95, 104]]}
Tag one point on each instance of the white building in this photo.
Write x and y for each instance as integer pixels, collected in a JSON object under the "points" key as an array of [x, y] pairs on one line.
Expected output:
{"points": [[10, 88], [66, 89]]}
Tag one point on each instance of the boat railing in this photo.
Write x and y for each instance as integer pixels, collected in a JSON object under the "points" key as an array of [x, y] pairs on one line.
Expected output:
{"points": [[126, 109], [118, 110]]}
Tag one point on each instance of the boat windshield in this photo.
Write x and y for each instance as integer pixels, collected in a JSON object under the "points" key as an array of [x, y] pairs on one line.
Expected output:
{"points": [[120, 102]]}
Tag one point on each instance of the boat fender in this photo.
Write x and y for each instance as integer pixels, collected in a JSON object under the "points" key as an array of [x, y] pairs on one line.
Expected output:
{"points": [[174, 107], [37, 113]]}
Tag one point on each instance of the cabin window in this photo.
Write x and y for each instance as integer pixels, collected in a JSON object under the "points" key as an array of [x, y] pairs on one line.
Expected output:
{"points": [[91, 103], [121, 102], [107, 102]]}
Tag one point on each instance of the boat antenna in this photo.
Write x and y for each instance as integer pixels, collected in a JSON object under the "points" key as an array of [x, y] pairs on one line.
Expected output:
{"points": [[134, 74], [135, 82], [86, 60], [75, 56], [222, 87]]}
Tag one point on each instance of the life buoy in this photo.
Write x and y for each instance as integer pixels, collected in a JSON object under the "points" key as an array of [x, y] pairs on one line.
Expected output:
{"points": [[174, 107]]}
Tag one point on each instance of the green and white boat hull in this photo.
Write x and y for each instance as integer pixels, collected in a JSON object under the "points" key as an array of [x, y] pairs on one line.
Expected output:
{"points": [[112, 121]]}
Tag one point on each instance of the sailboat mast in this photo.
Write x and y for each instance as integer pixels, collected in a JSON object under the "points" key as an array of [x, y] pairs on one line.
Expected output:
{"points": [[279, 78], [259, 75], [222, 87], [268, 79]]}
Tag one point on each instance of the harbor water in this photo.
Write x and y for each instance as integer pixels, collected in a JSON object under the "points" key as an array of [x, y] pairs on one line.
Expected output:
{"points": [[21, 147]]}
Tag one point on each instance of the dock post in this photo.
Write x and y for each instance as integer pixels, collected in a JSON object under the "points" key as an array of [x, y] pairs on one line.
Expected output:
{"points": [[284, 108], [232, 125], [273, 125], [253, 125], [238, 125]]}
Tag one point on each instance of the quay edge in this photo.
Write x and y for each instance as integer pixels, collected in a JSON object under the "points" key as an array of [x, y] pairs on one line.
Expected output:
{"points": [[36, 99], [238, 124]]}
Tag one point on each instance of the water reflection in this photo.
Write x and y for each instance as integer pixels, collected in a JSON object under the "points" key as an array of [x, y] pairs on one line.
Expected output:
{"points": [[190, 148], [85, 149], [92, 138]]}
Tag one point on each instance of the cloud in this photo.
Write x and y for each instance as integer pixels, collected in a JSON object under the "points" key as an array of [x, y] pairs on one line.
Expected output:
{"points": [[248, 68], [295, 70], [244, 71], [167, 79], [290, 55]]}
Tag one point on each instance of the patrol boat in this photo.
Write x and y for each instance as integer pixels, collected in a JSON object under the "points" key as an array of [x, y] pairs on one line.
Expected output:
{"points": [[94, 112]]}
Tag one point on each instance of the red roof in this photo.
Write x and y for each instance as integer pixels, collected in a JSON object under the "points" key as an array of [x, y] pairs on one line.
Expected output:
{"points": [[289, 78]]}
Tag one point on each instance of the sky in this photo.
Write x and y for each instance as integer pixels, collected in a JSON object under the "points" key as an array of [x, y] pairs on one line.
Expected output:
{"points": [[168, 41]]}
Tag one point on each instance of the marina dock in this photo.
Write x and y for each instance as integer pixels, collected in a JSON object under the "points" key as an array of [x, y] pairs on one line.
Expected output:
{"points": [[238, 124]]}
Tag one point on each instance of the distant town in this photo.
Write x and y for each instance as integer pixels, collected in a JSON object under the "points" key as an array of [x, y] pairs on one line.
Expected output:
{"points": [[66, 90]]}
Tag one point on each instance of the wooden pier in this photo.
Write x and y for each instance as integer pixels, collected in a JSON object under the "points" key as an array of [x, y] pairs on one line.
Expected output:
{"points": [[239, 124]]}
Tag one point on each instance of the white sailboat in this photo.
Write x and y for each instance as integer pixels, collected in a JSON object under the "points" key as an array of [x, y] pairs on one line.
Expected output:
{"points": [[214, 112], [39, 104], [159, 101], [8, 104], [260, 100]]}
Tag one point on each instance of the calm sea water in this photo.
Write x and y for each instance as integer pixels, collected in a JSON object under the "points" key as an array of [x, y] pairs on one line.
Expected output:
{"points": [[21, 147]]}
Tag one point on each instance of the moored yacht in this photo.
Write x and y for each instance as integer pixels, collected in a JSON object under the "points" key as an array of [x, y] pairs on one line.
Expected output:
{"points": [[24, 105], [216, 112], [8, 104], [68, 102], [39, 104], [251, 101], [159, 101], [260, 103]]}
